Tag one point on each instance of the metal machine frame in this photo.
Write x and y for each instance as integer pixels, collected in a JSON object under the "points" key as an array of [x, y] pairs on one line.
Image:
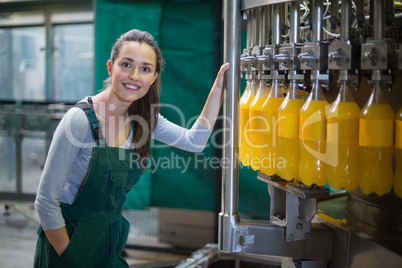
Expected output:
{"points": [[296, 231]]}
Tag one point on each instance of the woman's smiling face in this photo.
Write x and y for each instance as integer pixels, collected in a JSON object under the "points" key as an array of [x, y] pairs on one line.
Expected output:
{"points": [[133, 71]]}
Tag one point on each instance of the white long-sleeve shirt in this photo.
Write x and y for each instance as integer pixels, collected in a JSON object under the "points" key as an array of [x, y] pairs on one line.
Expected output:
{"points": [[70, 154]]}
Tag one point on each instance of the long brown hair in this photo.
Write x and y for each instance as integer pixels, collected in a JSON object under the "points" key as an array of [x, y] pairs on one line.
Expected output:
{"points": [[148, 106]]}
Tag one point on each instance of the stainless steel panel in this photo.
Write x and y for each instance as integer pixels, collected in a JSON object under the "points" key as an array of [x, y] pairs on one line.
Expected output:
{"points": [[384, 212], [299, 214], [340, 55], [357, 244], [255, 238], [374, 55]]}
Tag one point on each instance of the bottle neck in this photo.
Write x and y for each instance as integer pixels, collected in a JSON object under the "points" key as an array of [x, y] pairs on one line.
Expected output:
{"points": [[276, 90], [377, 96], [262, 92], [316, 92], [253, 87], [294, 91], [345, 92]]}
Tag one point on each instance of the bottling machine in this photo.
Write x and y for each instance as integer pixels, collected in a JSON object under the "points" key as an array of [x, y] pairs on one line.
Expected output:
{"points": [[328, 43]]}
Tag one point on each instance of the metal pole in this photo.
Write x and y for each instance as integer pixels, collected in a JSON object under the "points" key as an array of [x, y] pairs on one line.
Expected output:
{"points": [[49, 56], [269, 24], [230, 172], [218, 125], [346, 17], [283, 14], [379, 19], [263, 26], [317, 24], [257, 26], [294, 35], [248, 41], [276, 25], [253, 35], [378, 25], [18, 154], [276, 33]]}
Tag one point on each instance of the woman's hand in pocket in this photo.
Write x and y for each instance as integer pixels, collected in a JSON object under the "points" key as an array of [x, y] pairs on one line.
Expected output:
{"points": [[58, 239]]}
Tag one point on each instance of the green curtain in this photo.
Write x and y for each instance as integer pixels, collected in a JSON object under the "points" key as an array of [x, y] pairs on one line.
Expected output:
{"points": [[186, 34], [114, 18], [189, 48]]}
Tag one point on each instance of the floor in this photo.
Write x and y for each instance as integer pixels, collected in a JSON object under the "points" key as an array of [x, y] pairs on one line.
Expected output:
{"points": [[18, 227], [19, 223]]}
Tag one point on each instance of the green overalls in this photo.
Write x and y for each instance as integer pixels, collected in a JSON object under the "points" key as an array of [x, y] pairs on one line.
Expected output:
{"points": [[94, 222]]}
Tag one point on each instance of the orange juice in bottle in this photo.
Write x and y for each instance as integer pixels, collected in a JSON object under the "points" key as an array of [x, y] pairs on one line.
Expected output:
{"points": [[376, 136], [398, 154], [243, 97], [288, 133], [244, 154], [343, 140], [312, 136], [270, 152], [257, 125]]}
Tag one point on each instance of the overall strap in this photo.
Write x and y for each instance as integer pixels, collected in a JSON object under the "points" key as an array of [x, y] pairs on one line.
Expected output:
{"points": [[88, 108]]}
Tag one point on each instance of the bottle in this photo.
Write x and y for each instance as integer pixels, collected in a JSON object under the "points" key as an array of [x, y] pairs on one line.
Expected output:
{"points": [[244, 154], [257, 125], [288, 133], [270, 151], [398, 154], [376, 135], [243, 97], [343, 140], [312, 136]]}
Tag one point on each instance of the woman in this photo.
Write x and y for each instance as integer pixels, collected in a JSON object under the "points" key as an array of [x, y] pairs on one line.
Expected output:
{"points": [[98, 153]]}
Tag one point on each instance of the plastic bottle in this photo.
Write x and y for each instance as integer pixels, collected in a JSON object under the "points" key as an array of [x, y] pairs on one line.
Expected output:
{"points": [[312, 135], [376, 135], [288, 133], [270, 152], [343, 140], [244, 154], [257, 125], [398, 154], [244, 96]]}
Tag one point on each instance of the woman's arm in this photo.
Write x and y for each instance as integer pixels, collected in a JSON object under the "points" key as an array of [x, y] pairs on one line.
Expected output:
{"points": [[194, 139], [213, 104], [68, 138]]}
